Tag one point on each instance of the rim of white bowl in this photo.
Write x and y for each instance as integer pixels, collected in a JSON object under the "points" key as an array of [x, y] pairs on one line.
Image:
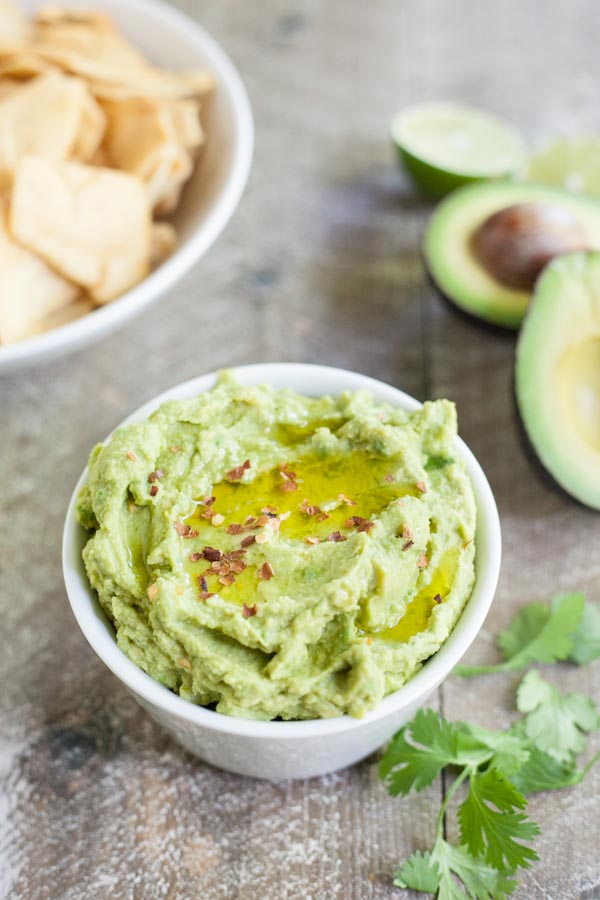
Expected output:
{"points": [[105, 319], [313, 380]]}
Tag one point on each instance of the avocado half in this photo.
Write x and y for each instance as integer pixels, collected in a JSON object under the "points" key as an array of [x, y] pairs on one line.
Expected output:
{"points": [[557, 375], [449, 254]]}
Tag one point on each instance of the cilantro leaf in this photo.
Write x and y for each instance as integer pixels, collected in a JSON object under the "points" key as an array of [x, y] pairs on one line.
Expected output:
{"points": [[420, 873], [555, 723], [538, 634], [418, 753], [490, 825], [586, 642], [543, 772], [508, 750], [480, 880]]}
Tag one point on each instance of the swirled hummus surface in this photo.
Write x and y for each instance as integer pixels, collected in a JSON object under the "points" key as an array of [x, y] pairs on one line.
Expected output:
{"points": [[273, 555]]}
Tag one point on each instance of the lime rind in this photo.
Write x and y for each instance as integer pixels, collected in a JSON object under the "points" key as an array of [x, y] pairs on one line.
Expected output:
{"points": [[444, 146]]}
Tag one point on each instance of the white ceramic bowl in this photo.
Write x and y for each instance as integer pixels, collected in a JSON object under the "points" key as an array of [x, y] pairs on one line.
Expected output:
{"points": [[172, 40], [288, 749]]}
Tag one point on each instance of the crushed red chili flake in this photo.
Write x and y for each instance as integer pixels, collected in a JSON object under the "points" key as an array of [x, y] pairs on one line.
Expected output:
{"points": [[227, 579], [211, 554], [208, 500], [238, 473], [407, 532], [249, 611], [342, 498], [286, 472], [323, 516], [131, 455], [185, 531], [438, 598], [408, 545], [269, 510], [390, 478], [235, 554], [203, 583], [288, 486], [154, 490], [421, 486], [360, 523], [206, 594], [336, 537], [154, 476], [423, 562], [234, 528], [266, 571], [248, 540], [262, 521], [238, 566]]}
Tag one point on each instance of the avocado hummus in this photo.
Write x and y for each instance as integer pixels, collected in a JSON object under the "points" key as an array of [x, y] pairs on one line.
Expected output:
{"points": [[274, 555]]}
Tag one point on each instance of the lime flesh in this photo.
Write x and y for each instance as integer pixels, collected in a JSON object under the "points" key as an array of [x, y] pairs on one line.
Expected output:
{"points": [[572, 163], [443, 146]]}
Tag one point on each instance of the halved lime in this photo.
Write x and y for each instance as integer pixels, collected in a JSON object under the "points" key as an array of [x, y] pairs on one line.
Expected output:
{"points": [[444, 145], [572, 163]]}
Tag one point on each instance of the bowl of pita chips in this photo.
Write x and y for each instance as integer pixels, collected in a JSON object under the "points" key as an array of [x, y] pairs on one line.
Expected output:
{"points": [[126, 140]]}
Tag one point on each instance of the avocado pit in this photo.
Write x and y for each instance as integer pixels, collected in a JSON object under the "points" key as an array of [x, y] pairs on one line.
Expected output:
{"points": [[515, 243]]}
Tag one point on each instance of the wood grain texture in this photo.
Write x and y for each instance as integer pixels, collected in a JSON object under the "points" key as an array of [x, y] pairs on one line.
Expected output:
{"points": [[321, 263]]}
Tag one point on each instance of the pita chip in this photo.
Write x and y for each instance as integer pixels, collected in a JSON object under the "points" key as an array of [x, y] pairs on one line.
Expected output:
{"points": [[92, 226]]}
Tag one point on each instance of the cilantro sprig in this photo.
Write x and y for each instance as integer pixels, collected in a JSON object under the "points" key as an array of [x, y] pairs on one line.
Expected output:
{"points": [[566, 629], [498, 768]]}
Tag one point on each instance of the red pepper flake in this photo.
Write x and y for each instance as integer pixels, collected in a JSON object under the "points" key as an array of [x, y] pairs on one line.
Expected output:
{"points": [[227, 579], [211, 554], [407, 532], [208, 500], [438, 598], [408, 545], [235, 554], [288, 487], [390, 478], [234, 528], [311, 540], [185, 531], [203, 583], [154, 490], [360, 523], [423, 561], [421, 486], [238, 473], [249, 611], [266, 571], [248, 540], [154, 476], [262, 521], [238, 566], [269, 510], [131, 455], [337, 537], [342, 498]]}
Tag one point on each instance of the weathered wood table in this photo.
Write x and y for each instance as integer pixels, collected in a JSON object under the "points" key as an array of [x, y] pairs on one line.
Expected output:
{"points": [[322, 264]]}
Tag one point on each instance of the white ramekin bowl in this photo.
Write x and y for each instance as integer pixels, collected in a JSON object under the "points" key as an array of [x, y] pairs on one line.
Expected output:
{"points": [[170, 39], [288, 749]]}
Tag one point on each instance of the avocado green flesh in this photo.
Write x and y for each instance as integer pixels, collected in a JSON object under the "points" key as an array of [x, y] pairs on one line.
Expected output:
{"points": [[448, 245], [558, 374]]}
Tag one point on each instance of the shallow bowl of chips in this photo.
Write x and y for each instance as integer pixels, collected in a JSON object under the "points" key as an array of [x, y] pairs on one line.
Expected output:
{"points": [[173, 41]]}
